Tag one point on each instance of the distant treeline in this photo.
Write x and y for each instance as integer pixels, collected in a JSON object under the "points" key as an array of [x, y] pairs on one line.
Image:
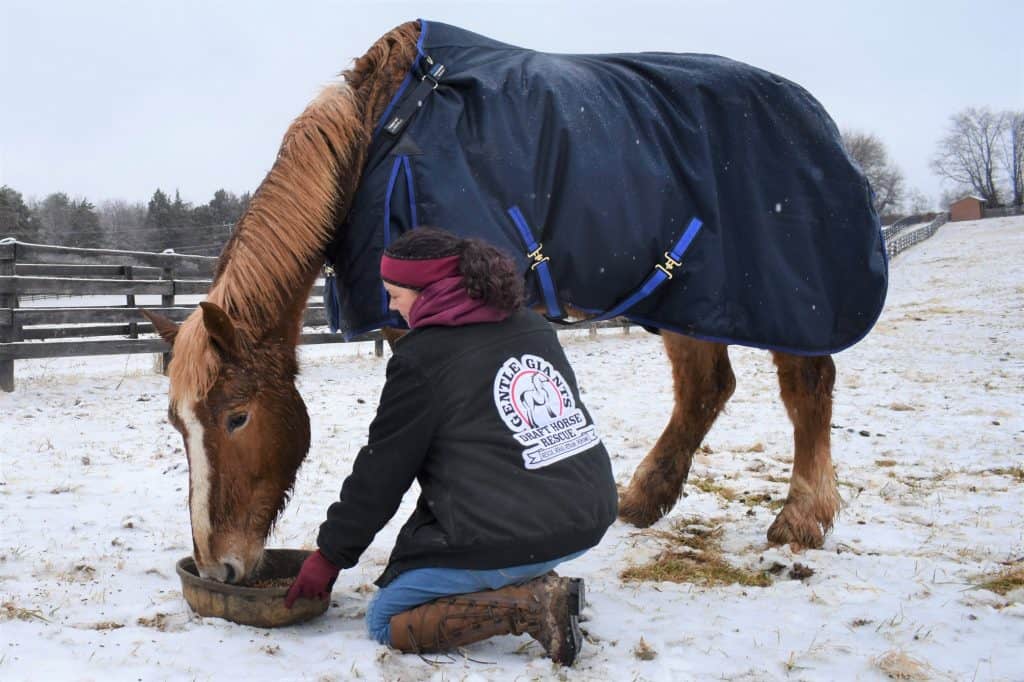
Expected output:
{"points": [[164, 223]]}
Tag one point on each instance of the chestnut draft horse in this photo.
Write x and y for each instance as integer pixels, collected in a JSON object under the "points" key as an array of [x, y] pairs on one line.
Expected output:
{"points": [[232, 379]]}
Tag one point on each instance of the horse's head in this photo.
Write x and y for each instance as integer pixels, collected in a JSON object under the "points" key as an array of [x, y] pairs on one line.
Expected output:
{"points": [[246, 431]]}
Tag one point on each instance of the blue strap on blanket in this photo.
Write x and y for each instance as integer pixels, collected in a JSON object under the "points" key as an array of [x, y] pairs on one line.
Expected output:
{"points": [[540, 264], [661, 273], [332, 305]]}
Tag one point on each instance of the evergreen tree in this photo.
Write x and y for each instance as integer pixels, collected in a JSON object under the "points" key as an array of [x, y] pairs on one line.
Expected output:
{"points": [[216, 221], [85, 225], [224, 209], [181, 213], [161, 220], [181, 233], [159, 213], [16, 219]]}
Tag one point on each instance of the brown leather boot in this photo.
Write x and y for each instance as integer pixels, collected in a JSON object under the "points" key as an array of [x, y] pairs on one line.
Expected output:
{"points": [[546, 608]]}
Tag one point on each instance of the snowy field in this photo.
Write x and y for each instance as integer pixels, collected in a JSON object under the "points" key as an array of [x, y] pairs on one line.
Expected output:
{"points": [[928, 438]]}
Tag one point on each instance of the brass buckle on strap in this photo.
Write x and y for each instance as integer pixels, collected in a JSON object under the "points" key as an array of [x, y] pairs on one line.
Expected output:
{"points": [[537, 257], [670, 264]]}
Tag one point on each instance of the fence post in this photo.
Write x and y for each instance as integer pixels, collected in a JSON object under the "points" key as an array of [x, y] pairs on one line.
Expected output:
{"points": [[8, 331], [133, 327], [166, 301]]}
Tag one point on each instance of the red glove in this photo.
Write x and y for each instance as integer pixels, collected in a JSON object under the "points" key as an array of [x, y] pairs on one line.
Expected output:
{"points": [[315, 580]]}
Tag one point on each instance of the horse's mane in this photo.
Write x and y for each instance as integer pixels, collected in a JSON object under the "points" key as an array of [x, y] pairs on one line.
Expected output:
{"points": [[279, 241]]}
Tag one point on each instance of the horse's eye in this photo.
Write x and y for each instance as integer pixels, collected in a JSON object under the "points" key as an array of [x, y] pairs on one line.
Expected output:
{"points": [[237, 421]]}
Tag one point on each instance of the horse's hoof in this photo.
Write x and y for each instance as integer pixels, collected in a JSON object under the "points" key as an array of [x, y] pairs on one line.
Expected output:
{"points": [[639, 515], [786, 531]]}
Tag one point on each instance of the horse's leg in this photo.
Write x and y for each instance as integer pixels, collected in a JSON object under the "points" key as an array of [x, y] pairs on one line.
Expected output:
{"points": [[813, 501], [703, 382]]}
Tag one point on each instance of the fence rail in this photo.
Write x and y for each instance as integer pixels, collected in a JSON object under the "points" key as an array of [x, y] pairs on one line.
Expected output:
{"points": [[1003, 212], [34, 271], [193, 266], [54, 286], [90, 271], [904, 239], [31, 271]]}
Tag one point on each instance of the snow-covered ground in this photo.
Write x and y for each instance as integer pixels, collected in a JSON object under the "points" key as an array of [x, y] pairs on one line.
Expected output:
{"points": [[928, 438]]}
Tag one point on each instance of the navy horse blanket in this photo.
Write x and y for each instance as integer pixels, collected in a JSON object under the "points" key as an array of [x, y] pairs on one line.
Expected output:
{"points": [[685, 192]]}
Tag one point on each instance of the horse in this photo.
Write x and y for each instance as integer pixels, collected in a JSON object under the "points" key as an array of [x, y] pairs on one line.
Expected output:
{"points": [[232, 393]]}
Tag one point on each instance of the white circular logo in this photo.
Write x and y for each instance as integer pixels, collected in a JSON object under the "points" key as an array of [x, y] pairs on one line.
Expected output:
{"points": [[536, 404]]}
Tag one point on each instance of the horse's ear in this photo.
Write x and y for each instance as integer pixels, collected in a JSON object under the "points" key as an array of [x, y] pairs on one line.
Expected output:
{"points": [[165, 328], [220, 327]]}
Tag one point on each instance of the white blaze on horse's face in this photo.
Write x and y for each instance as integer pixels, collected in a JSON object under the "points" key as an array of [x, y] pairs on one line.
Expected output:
{"points": [[199, 486]]}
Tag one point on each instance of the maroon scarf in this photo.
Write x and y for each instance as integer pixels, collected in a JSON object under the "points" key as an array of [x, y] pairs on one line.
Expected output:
{"points": [[443, 300], [446, 303]]}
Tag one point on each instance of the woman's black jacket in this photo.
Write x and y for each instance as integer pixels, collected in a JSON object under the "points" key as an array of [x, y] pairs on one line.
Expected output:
{"points": [[488, 419]]}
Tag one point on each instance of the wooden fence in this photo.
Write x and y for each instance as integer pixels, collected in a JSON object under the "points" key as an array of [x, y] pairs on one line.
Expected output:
{"points": [[1003, 212], [35, 273], [906, 222], [902, 237]]}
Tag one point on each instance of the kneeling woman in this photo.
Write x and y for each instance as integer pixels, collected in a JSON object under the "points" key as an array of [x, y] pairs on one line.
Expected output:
{"points": [[481, 407]]}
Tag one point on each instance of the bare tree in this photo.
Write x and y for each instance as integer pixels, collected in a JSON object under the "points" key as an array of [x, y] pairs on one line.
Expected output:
{"points": [[967, 154], [917, 202], [1012, 153], [871, 155], [122, 223], [54, 214], [953, 194]]}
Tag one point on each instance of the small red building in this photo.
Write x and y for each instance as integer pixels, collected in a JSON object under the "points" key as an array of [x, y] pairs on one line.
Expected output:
{"points": [[967, 208]]}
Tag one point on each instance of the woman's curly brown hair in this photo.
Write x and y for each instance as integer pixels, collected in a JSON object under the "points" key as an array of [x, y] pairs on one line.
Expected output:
{"points": [[489, 274]]}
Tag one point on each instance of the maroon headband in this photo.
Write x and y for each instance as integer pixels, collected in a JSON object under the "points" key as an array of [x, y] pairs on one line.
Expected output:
{"points": [[418, 273]]}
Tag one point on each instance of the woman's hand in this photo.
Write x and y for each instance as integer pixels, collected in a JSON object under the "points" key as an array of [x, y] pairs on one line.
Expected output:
{"points": [[315, 580]]}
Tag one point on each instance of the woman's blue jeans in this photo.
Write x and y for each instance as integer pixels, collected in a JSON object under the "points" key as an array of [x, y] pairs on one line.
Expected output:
{"points": [[422, 585]]}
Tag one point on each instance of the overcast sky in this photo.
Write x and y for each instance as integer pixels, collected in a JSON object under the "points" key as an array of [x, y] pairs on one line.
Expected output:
{"points": [[109, 100]]}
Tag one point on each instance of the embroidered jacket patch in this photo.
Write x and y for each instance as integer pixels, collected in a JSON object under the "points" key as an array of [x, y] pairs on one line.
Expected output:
{"points": [[537, 404]]}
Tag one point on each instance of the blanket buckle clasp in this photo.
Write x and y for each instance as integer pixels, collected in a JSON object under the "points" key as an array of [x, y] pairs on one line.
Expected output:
{"points": [[434, 74], [670, 264], [537, 257]]}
